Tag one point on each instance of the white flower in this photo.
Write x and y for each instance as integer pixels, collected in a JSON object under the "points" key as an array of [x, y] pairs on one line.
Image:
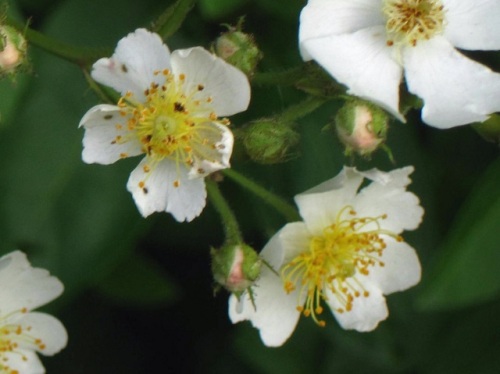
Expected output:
{"points": [[22, 332], [366, 45], [347, 253], [169, 110]]}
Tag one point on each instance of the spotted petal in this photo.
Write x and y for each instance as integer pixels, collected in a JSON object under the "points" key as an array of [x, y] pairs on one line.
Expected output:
{"points": [[106, 138], [23, 362], [133, 65], [227, 86], [47, 329], [153, 188]]}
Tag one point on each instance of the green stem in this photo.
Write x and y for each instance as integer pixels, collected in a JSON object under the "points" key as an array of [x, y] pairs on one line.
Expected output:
{"points": [[286, 77], [288, 211], [171, 19], [301, 109], [231, 227], [79, 56]]}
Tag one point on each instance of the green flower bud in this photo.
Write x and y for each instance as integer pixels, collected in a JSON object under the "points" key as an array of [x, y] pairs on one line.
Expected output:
{"points": [[235, 267], [361, 127], [270, 141], [238, 49], [489, 129], [12, 49]]}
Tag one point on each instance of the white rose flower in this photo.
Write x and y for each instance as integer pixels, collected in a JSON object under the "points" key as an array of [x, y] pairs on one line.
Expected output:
{"points": [[169, 111], [367, 44], [347, 254], [23, 332]]}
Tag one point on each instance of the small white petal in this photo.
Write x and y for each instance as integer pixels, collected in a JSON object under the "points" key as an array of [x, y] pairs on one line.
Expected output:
{"points": [[24, 286], [24, 361], [215, 153], [320, 205], [321, 18], [366, 312], [106, 138], [46, 328], [401, 268], [132, 66], [275, 314], [363, 62], [387, 195], [456, 90], [295, 239], [154, 191], [473, 25], [227, 86]]}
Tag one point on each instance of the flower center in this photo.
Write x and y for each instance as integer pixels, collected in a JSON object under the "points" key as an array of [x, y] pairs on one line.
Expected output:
{"points": [[346, 250], [174, 122], [409, 21], [11, 337]]}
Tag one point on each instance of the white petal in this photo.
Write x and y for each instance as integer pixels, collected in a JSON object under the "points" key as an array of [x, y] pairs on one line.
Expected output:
{"points": [[214, 154], [387, 195], [46, 328], [363, 62], [321, 18], [366, 312], [401, 271], [295, 239], [24, 361], [132, 66], [106, 138], [24, 286], [226, 85], [158, 194], [275, 314], [456, 90], [473, 25], [320, 205]]}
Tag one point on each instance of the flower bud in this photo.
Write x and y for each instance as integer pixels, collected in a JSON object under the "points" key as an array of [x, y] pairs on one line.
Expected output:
{"points": [[361, 127], [489, 129], [235, 267], [270, 141], [238, 49], [12, 49]]}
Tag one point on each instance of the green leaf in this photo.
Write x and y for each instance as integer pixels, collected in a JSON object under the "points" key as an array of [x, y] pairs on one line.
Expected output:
{"points": [[466, 272], [138, 281]]}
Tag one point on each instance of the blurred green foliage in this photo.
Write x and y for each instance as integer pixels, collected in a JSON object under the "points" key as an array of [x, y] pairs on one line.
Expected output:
{"points": [[139, 291]]}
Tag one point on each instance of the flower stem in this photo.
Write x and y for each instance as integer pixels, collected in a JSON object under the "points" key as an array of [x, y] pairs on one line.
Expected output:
{"points": [[301, 109], [171, 19], [288, 211], [286, 77], [231, 227], [79, 56]]}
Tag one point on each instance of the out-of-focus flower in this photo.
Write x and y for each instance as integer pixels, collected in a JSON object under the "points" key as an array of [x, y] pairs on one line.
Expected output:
{"points": [[23, 332], [367, 45], [346, 254], [169, 110]]}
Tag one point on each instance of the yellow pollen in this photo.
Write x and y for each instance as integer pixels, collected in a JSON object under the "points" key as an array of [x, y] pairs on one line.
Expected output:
{"points": [[173, 121], [409, 21], [335, 262]]}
